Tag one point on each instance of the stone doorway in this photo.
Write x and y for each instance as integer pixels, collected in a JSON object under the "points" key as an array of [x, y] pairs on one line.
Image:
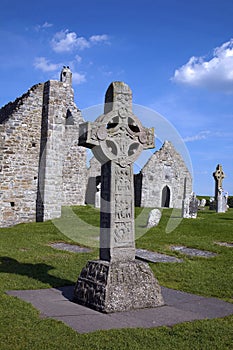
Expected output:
{"points": [[165, 197]]}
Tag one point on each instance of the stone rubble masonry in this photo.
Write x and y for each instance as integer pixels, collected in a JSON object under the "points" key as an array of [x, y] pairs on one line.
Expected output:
{"points": [[93, 179], [164, 169], [41, 165]]}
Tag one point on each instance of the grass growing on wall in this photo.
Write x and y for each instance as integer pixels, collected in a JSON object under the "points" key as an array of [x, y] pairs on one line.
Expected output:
{"points": [[27, 261]]}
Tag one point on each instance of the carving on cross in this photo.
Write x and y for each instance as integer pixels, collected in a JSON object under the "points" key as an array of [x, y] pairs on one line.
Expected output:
{"points": [[117, 138], [218, 176], [117, 135]]}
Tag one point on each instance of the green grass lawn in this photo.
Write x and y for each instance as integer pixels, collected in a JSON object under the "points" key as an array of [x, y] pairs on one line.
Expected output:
{"points": [[29, 262]]}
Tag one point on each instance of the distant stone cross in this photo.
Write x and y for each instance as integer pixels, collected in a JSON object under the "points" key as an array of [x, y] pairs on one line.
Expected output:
{"points": [[218, 176], [117, 138]]}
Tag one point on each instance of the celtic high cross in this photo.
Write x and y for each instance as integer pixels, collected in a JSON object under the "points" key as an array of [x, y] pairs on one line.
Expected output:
{"points": [[117, 138], [218, 176], [117, 281]]}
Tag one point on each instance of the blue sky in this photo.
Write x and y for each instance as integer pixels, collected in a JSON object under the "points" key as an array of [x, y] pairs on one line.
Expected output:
{"points": [[176, 55]]}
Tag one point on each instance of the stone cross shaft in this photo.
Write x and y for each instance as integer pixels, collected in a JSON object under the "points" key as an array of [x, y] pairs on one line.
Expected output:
{"points": [[218, 176], [117, 138]]}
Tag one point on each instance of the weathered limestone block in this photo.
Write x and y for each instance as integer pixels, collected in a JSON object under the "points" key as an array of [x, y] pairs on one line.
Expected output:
{"points": [[190, 207], [153, 218], [221, 203], [203, 202], [117, 286]]}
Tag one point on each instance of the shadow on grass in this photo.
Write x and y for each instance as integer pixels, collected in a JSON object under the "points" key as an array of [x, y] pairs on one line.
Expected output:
{"points": [[38, 272], [226, 219]]}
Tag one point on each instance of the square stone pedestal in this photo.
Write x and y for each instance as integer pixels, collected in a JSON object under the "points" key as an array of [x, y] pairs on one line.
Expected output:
{"points": [[117, 286]]}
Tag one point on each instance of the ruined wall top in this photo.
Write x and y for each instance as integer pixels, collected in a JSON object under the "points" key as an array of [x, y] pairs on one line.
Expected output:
{"points": [[10, 107], [166, 153], [66, 75]]}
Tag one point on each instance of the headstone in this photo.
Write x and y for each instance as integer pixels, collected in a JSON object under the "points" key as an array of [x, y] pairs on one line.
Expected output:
{"points": [[222, 201], [97, 196], [117, 282], [226, 195], [212, 204], [190, 207], [203, 202], [153, 218]]}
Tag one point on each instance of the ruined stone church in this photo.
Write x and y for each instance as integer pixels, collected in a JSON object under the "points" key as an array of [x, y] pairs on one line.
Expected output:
{"points": [[164, 181], [43, 168]]}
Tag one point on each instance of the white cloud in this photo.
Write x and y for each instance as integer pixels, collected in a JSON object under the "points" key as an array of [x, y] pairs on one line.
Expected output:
{"points": [[65, 41], [78, 58], [200, 136], [98, 38], [78, 78], [43, 64], [46, 25], [43, 26], [215, 73]]}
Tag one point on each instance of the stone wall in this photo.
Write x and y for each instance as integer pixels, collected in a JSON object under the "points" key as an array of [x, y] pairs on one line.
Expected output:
{"points": [[165, 179], [19, 155], [42, 166], [165, 171], [93, 179]]}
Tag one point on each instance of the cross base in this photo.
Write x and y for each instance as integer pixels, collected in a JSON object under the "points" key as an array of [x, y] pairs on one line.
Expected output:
{"points": [[117, 286]]}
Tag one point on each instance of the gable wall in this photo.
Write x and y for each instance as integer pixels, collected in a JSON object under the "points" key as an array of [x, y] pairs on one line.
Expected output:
{"points": [[165, 168], [19, 155], [42, 166]]}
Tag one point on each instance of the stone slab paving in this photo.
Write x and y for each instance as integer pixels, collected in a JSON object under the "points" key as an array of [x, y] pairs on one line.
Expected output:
{"points": [[147, 255], [70, 247], [225, 244], [179, 307], [193, 252]]}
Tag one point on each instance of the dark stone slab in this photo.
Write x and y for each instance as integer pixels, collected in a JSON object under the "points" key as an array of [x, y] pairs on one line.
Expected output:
{"points": [[70, 247], [147, 255], [179, 307], [193, 252]]}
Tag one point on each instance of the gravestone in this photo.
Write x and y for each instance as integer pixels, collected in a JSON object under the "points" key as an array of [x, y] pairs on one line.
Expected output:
{"points": [[117, 281], [97, 196], [222, 201], [190, 207], [153, 218], [212, 204], [221, 204], [203, 202]]}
